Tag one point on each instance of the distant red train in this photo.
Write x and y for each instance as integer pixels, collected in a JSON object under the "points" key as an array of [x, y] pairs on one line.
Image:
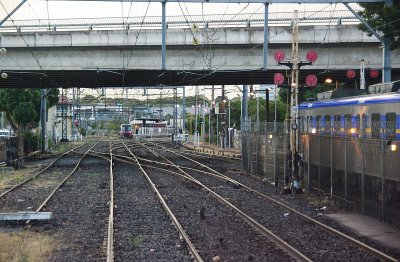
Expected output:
{"points": [[126, 131]]}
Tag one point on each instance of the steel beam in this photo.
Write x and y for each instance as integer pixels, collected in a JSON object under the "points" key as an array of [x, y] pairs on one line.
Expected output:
{"points": [[12, 12]]}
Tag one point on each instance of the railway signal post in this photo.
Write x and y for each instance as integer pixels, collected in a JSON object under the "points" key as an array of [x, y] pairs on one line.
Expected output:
{"points": [[293, 158]]}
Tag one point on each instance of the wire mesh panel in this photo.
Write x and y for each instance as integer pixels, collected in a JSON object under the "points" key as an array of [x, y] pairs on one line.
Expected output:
{"points": [[392, 160], [373, 157], [362, 172], [325, 149], [338, 147], [354, 155]]}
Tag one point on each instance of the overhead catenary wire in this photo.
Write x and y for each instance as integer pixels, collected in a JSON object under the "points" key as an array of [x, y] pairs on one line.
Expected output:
{"points": [[30, 50], [138, 34]]}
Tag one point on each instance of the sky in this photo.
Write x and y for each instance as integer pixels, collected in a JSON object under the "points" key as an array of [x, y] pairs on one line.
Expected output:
{"points": [[41, 9]]}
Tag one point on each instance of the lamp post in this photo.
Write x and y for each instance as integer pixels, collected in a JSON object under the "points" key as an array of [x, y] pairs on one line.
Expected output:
{"points": [[229, 123], [209, 126]]}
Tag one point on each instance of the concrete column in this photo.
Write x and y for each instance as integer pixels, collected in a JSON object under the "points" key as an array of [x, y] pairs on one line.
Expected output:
{"points": [[183, 109]]}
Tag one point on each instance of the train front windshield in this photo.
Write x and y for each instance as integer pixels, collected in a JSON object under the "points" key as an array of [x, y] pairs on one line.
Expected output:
{"points": [[126, 128]]}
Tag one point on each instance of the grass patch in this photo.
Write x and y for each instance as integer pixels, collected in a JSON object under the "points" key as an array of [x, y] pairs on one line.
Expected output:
{"points": [[24, 246], [137, 240]]}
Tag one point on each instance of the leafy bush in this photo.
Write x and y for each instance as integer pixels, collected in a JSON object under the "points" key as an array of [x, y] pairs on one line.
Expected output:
{"points": [[31, 142]]}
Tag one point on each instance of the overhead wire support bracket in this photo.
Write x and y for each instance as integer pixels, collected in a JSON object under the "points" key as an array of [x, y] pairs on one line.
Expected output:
{"points": [[12, 12]]}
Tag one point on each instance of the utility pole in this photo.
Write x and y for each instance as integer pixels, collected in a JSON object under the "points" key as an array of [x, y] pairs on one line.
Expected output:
{"points": [[212, 112], [64, 118], [175, 120], [223, 122], [294, 131], [196, 112], [43, 118], [267, 105], [293, 156], [183, 109]]}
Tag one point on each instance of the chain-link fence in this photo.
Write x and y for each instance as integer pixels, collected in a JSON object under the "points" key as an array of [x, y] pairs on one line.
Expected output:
{"points": [[363, 172]]}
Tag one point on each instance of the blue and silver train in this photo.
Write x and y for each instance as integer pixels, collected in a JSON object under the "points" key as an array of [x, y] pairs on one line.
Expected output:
{"points": [[374, 116]]}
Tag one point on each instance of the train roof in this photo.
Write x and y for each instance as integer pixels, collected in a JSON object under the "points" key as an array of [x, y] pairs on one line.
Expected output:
{"points": [[353, 101]]}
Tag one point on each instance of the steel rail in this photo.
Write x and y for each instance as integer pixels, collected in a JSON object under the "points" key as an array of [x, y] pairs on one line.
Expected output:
{"points": [[39, 173], [206, 152], [178, 226], [63, 181], [260, 228], [329, 229], [110, 230]]}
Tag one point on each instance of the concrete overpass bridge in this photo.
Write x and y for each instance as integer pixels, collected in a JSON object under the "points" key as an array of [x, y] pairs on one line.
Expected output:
{"points": [[208, 50]]}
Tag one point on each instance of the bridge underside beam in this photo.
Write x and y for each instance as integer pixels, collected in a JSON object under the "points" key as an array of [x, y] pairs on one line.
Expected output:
{"points": [[140, 78]]}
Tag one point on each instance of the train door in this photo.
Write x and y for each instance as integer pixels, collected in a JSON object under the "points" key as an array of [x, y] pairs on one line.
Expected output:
{"points": [[390, 126], [365, 130], [336, 124], [375, 125], [347, 125], [328, 125]]}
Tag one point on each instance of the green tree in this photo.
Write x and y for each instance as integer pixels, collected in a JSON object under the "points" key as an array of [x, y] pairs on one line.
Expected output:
{"points": [[305, 92], [21, 107], [383, 18]]}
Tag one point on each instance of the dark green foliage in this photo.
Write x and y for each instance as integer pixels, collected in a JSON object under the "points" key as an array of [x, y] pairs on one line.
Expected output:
{"points": [[384, 19], [30, 142], [22, 106], [305, 92]]}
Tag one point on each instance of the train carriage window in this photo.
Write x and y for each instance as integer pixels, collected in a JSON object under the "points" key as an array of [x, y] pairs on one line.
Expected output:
{"points": [[375, 125], [328, 124], [318, 123], [391, 125], [364, 126], [347, 124], [336, 124]]}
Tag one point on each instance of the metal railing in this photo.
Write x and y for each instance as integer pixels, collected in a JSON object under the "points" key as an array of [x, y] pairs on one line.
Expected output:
{"points": [[362, 170], [189, 21]]}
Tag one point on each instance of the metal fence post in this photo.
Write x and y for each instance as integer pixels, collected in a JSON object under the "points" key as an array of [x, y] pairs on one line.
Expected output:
{"points": [[345, 167], [383, 177], [319, 161], [308, 165], [274, 141], [362, 176], [331, 166]]}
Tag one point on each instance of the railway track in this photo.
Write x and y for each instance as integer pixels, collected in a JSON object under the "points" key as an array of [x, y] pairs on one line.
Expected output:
{"points": [[297, 219], [189, 202], [33, 193], [81, 212], [130, 201]]}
